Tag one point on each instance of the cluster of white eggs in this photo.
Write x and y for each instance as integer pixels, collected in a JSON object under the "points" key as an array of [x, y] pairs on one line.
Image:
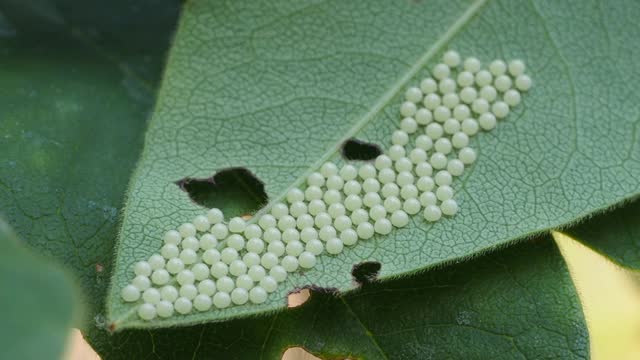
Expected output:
{"points": [[209, 263]]}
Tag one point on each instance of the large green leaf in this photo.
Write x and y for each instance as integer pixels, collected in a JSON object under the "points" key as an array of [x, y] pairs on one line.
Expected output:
{"points": [[19, 191], [78, 81], [616, 234], [37, 302], [517, 303], [276, 87]]}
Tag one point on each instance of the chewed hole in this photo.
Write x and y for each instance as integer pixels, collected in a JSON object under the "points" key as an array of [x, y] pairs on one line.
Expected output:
{"points": [[236, 190], [298, 353], [366, 272], [298, 298], [354, 149]]}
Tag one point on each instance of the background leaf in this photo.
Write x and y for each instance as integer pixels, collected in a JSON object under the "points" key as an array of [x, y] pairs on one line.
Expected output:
{"points": [[276, 87], [37, 302], [78, 81], [517, 303]]}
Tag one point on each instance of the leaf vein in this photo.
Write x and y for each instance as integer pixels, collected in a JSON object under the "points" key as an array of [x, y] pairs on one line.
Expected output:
{"points": [[367, 332]]}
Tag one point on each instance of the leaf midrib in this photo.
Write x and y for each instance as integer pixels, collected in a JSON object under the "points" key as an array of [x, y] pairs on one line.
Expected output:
{"points": [[381, 103]]}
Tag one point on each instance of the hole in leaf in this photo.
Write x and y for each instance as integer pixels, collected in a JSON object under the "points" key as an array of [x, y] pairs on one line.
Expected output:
{"points": [[234, 190], [298, 353], [366, 272], [298, 298], [354, 149], [301, 295]]}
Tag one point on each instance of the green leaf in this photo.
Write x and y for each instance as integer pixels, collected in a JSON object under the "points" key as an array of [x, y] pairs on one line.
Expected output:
{"points": [[615, 234], [276, 87], [37, 302], [516, 303], [78, 82]]}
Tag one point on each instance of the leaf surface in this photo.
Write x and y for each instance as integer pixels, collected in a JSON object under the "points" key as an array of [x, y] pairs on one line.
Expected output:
{"points": [[276, 87], [37, 302]]}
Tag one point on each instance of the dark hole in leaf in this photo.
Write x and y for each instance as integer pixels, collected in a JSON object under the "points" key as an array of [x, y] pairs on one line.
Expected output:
{"points": [[354, 149], [366, 272], [234, 190]]}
